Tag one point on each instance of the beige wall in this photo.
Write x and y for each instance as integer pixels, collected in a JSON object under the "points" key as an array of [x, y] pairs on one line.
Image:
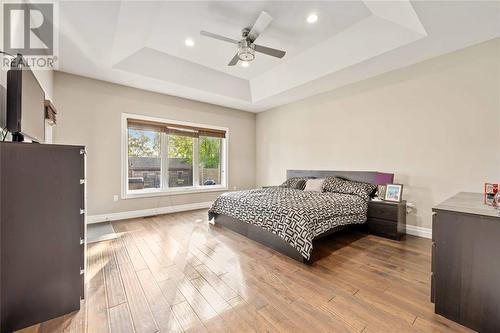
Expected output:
{"points": [[90, 114], [436, 125]]}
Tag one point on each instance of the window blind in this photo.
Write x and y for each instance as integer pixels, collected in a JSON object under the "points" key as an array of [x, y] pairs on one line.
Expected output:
{"points": [[174, 129]]}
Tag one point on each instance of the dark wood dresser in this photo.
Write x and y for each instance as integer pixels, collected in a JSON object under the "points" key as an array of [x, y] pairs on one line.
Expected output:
{"points": [[387, 219], [42, 232], [466, 262]]}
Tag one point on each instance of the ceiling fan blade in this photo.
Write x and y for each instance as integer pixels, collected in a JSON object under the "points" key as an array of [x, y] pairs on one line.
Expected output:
{"points": [[219, 37], [269, 51], [260, 25], [234, 61]]}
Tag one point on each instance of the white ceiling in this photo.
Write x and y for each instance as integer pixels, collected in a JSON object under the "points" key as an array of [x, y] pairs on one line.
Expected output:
{"points": [[141, 44]]}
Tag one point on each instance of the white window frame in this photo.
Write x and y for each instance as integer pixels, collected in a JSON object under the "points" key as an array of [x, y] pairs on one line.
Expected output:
{"points": [[164, 190]]}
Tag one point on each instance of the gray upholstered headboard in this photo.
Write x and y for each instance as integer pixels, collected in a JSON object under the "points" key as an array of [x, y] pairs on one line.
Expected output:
{"points": [[373, 177]]}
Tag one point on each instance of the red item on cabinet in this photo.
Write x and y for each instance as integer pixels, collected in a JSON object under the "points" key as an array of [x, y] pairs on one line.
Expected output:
{"points": [[489, 193]]}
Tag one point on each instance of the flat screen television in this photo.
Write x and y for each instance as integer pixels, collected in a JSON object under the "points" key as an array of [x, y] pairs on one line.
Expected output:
{"points": [[25, 103]]}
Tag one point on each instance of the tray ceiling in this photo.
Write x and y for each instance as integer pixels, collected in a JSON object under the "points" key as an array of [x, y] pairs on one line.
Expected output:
{"points": [[141, 44]]}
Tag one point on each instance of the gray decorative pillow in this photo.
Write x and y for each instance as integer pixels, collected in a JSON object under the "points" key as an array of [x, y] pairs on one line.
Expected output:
{"points": [[295, 183], [314, 185], [338, 185]]}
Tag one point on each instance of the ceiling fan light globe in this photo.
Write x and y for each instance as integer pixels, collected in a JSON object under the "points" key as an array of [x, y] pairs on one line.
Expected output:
{"points": [[246, 56], [246, 51]]}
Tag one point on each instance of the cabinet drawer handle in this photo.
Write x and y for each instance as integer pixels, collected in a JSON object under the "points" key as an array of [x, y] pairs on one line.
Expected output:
{"points": [[82, 241], [82, 211], [82, 271], [82, 181]]}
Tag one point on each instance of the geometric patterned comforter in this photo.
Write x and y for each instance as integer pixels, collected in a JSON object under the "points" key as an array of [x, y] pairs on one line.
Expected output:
{"points": [[294, 215]]}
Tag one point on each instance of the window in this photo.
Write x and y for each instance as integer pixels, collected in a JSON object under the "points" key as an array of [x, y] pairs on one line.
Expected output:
{"points": [[165, 156], [180, 160], [144, 162], [209, 157]]}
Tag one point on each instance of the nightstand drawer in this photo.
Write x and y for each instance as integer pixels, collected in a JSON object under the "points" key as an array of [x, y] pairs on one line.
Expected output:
{"points": [[382, 227], [383, 211]]}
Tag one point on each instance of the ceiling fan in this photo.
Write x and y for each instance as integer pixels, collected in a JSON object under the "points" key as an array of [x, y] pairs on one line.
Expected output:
{"points": [[247, 46]]}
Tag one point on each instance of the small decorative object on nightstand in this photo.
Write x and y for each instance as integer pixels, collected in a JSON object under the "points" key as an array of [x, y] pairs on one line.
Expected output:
{"points": [[381, 192], [387, 219]]}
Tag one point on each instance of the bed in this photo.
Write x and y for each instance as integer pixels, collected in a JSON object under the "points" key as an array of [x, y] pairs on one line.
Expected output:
{"points": [[289, 220]]}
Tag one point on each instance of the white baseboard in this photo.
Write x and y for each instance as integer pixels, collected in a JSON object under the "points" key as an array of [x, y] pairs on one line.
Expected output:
{"points": [[146, 212], [419, 231]]}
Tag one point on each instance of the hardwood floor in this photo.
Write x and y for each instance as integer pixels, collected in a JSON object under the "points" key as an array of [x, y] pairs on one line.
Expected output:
{"points": [[175, 273]]}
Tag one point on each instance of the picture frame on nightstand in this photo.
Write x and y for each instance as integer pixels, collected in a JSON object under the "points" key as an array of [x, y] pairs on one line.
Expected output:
{"points": [[394, 192]]}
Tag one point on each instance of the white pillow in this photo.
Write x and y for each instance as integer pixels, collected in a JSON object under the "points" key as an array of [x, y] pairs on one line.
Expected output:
{"points": [[314, 185]]}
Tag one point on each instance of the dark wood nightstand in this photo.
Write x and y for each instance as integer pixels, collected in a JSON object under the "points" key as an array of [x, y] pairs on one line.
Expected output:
{"points": [[387, 219]]}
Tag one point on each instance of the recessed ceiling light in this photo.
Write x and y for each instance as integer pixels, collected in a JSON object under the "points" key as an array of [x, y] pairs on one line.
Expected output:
{"points": [[312, 18], [189, 42], [245, 64]]}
